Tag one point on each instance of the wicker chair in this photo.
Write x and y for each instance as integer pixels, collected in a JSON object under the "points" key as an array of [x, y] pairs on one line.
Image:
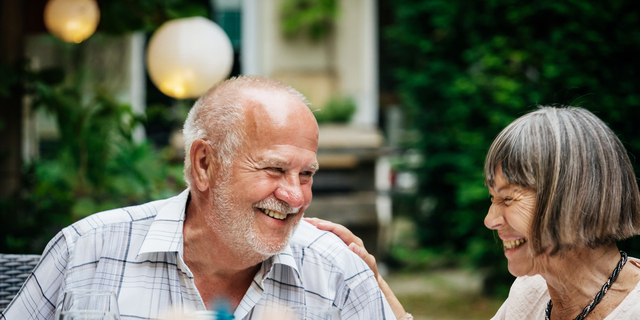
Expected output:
{"points": [[14, 270]]}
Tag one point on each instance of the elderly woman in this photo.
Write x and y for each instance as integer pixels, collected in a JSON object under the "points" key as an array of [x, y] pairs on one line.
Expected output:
{"points": [[563, 191]]}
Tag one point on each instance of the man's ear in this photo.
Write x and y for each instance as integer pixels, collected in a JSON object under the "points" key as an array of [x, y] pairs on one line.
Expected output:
{"points": [[202, 164]]}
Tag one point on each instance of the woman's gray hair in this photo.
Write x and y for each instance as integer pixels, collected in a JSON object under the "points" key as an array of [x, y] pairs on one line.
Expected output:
{"points": [[218, 118], [587, 194]]}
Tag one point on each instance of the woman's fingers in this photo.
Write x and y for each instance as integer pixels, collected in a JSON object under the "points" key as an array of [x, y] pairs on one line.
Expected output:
{"points": [[313, 221], [339, 230], [369, 259]]}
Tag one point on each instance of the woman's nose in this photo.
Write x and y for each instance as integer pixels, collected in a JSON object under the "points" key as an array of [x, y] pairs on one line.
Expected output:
{"points": [[494, 218]]}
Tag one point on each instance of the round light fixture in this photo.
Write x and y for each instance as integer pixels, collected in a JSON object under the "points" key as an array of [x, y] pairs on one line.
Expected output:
{"points": [[72, 20], [185, 57]]}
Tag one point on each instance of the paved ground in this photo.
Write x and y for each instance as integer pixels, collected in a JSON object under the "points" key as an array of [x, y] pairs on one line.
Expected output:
{"points": [[443, 295]]}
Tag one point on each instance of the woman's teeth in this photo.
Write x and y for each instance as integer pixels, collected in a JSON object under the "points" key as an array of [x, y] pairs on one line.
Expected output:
{"points": [[513, 243], [274, 214]]}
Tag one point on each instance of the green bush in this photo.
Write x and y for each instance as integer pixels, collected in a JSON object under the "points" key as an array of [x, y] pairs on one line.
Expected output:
{"points": [[312, 18], [465, 69], [94, 166], [337, 110]]}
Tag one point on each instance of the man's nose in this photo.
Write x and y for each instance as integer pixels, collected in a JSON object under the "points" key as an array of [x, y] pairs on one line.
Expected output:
{"points": [[290, 192], [494, 218]]}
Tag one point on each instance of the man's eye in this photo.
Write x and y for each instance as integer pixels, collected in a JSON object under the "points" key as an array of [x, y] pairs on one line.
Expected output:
{"points": [[276, 169], [307, 173]]}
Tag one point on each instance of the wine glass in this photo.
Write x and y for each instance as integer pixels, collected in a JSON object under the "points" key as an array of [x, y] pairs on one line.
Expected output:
{"points": [[90, 300]]}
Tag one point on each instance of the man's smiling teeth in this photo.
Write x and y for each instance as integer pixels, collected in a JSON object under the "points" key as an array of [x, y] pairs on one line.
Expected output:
{"points": [[274, 214], [513, 243]]}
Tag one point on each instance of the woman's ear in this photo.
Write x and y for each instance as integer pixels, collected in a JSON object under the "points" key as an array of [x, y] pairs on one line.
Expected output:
{"points": [[201, 164]]}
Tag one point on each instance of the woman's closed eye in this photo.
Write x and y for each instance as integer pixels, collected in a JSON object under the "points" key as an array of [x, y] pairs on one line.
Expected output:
{"points": [[507, 200], [499, 200]]}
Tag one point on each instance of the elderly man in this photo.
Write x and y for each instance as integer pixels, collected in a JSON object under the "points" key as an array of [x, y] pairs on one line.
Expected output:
{"points": [[250, 147]]}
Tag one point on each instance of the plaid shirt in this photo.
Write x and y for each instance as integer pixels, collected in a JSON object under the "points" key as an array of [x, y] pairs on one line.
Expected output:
{"points": [[137, 252]]}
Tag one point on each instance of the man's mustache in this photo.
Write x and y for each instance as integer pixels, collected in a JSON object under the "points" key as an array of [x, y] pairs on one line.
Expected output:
{"points": [[274, 204]]}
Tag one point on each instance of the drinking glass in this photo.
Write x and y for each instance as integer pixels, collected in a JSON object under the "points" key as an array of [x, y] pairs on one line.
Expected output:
{"points": [[90, 300], [301, 313], [198, 315], [87, 315], [313, 313]]}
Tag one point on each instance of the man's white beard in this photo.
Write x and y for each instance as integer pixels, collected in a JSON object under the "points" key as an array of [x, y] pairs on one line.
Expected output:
{"points": [[235, 225]]}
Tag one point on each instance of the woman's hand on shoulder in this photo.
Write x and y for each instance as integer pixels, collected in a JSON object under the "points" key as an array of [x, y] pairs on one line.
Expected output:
{"points": [[357, 246], [354, 242]]}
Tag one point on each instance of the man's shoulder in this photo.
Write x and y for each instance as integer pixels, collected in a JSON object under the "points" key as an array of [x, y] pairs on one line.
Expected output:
{"points": [[330, 271], [314, 239], [138, 215], [323, 250]]}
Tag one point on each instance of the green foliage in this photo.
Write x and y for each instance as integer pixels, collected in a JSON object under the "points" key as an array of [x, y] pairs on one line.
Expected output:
{"points": [[89, 127], [95, 165], [9, 78], [312, 18], [337, 110], [466, 69], [121, 16]]}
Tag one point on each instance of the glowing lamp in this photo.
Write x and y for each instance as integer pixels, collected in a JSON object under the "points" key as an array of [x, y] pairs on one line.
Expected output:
{"points": [[187, 56], [72, 20]]}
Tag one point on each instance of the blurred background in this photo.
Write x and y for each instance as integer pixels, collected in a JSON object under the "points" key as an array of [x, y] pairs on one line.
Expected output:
{"points": [[409, 95]]}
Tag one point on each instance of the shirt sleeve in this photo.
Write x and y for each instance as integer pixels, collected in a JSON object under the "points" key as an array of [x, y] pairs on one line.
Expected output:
{"points": [[527, 299], [39, 296], [500, 315], [366, 302]]}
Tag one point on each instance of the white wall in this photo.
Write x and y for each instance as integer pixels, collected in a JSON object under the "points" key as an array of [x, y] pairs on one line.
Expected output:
{"points": [[343, 64]]}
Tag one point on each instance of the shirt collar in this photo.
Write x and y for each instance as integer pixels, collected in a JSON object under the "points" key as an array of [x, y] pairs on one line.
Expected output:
{"points": [[284, 258], [255, 293], [165, 232]]}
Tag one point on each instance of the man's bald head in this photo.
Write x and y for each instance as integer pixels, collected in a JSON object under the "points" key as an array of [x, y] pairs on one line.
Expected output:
{"points": [[218, 117]]}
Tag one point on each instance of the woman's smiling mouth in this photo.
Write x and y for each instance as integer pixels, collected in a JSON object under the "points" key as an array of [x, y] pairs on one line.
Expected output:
{"points": [[512, 244]]}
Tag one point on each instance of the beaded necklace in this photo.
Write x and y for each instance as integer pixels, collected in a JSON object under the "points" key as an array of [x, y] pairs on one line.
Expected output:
{"points": [[599, 295]]}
